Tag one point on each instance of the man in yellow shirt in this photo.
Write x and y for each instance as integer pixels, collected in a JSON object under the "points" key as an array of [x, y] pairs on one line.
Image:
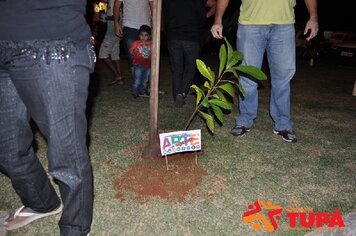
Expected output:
{"points": [[267, 25]]}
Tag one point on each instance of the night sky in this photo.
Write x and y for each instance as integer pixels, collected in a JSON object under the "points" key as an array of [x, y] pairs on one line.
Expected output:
{"points": [[333, 15]]}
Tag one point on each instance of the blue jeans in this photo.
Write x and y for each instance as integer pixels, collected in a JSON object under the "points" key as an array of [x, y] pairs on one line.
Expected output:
{"points": [[182, 56], [140, 79], [279, 43], [129, 36], [47, 81]]}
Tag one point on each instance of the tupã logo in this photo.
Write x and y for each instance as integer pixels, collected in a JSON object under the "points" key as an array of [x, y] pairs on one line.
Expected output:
{"points": [[265, 215], [255, 215]]}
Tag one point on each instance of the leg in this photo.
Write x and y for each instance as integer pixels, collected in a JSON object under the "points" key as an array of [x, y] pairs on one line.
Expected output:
{"points": [[129, 35], [144, 80], [281, 58], [109, 63], [191, 53], [55, 96], [136, 83], [251, 41], [109, 53], [176, 59], [104, 53], [115, 56], [17, 158]]}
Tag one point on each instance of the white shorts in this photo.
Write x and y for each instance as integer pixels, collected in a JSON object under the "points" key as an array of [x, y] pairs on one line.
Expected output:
{"points": [[110, 46]]}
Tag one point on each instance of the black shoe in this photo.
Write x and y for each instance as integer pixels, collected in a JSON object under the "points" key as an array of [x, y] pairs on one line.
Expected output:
{"points": [[144, 95], [287, 135], [179, 100], [239, 130]]}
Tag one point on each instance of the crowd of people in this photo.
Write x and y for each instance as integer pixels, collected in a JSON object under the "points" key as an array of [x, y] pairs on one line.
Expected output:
{"points": [[45, 63], [185, 37]]}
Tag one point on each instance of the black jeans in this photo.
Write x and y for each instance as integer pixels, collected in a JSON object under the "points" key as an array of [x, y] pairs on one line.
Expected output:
{"points": [[48, 82], [129, 36], [182, 55]]}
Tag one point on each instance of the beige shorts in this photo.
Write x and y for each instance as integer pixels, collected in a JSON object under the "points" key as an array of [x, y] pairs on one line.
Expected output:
{"points": [[110, 46]]}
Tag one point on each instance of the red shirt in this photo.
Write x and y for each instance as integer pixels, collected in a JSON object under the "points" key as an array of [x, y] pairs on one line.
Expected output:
{"points": [[141, 52]]}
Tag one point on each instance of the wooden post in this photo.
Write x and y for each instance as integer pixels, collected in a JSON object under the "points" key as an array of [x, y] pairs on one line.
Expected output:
{"points": [[166, 162], [152, 150]]}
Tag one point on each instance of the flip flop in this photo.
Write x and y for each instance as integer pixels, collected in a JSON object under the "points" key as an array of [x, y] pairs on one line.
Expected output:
{"points": [[23, 216], [117, 81]]}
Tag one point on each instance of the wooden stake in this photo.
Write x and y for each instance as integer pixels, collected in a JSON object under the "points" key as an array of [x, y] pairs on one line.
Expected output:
{"points": [[196, 157], [166, 162]]}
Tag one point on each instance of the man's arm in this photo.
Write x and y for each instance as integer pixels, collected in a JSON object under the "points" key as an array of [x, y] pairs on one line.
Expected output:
{"points": [[212, 8], [312, 23], [116, 15], [151, 7], [217, 28]]}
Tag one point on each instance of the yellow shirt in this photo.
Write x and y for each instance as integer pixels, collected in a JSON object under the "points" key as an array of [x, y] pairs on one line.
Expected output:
{"points": [[266, 12]]}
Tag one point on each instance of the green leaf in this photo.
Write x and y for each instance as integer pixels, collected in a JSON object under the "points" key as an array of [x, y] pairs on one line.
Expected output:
{"points": [[234, 71], [208, 120], [215, 96], [229, 49], [220, 95], [229, 88], [224, 104], [218, 113], [199, 92], [207, 85], [222, 58], [236, 57], [241, 89], [205, 71], [205, 102], [252, 71], [227, 81]]}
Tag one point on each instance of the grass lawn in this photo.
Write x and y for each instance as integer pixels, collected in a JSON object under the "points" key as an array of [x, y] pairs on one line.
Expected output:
{"points": [[318, 172]]}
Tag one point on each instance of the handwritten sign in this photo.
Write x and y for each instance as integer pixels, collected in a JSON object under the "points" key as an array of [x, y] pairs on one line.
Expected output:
{"points": [[180, 141]]}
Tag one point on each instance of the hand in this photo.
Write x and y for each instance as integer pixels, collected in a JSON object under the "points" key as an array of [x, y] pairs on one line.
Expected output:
{"points": [[118, 30], [313, 26], [216, 30], [135, 51], [93, 40]]}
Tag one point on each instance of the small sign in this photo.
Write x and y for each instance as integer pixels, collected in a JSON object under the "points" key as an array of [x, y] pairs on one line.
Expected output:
{"points": [[180, 141], [346, 54]]}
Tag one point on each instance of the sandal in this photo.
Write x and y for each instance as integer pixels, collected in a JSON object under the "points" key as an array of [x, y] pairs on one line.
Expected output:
{"points": [[117, 81], [3, 216], [24, 215]]}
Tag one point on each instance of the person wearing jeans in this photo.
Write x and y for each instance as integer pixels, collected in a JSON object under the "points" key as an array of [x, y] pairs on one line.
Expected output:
{"points": [[135, 13], [141, 52], [267, 25], [281, 58], [140, 81], [44, 77]]}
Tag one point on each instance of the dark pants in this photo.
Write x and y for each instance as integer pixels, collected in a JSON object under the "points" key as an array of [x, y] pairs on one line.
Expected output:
{"points": [[48, 82], [182, 55], [129, 36]]}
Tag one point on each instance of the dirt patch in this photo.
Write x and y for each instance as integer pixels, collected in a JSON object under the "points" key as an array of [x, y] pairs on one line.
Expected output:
{"points": [[147, 179]]}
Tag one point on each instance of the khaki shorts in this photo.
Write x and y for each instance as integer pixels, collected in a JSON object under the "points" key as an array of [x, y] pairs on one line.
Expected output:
{"points": [[110, 46]]}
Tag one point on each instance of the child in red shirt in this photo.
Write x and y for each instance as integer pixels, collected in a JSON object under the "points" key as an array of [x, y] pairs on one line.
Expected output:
{"points": [[141, 52]]}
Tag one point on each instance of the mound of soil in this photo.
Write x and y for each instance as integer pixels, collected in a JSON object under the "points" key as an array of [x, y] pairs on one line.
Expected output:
{"points": [[146, 179]]}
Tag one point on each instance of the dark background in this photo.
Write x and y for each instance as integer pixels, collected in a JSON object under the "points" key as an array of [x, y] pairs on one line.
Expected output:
{"points": [[334, 15], [337, 15]]}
